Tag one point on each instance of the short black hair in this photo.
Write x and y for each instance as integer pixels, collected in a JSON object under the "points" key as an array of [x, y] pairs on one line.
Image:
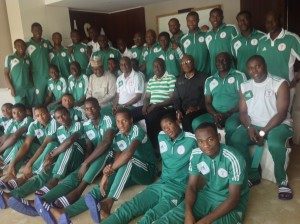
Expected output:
{"points": [[169, 117], [19, 40], [193, 13], [76, 64], [125, 111], [9, 105], [75, 32], [257, 57], [54, 67], [36, 24], [61, 108], [20, 106], [164, 34], [207, 125], [57, 33], [68, 94], [92, 100], [174, 19], [216, 10], [41, 107], [244, 12]]}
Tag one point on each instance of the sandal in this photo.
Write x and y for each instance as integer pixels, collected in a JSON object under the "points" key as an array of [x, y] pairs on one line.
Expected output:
{"points": [[285, 193]]}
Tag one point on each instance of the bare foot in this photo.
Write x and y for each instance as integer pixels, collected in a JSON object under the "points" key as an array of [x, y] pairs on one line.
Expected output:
{"points": [[56, 212], [6, 196], [20, 181], [106, 205], [52, 183]]}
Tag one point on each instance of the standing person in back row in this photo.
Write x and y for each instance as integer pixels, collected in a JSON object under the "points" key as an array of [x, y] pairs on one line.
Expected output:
{"points": [[219, 37], [280, 48], [38, 50], [244, 45], [193, 43], [18, 76]]}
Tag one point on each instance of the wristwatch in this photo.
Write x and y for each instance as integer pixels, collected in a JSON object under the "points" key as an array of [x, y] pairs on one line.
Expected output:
{"points": [[262, 133]]}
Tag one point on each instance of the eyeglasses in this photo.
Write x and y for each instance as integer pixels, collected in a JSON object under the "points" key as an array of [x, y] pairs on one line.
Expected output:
{"points": [[186, 62]]}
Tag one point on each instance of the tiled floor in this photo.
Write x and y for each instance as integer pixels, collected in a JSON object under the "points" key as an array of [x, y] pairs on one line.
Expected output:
{"points": [[264, 207]]}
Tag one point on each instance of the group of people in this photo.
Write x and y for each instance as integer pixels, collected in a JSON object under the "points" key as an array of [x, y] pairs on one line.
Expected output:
{"points": [[87, 102]]}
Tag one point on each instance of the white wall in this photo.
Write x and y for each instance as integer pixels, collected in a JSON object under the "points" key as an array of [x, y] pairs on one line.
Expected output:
{"points": [[22, 13], [230, 9], [5, 41]]}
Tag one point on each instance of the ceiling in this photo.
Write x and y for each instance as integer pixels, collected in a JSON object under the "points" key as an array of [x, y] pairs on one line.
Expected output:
{"points": [[104, 6]]}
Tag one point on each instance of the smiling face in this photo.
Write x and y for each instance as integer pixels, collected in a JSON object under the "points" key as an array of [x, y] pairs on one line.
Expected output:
{"points": [[208, 141], [174, 26], [170, 127], [192, 23], [257, 69], [272, 23], [150, 37], [124, 122], [125, 65], [20, 47], [54, 74], [37, 32], [187, 64], [216, 19], [244, 22], [92, 110], [223, 62]]}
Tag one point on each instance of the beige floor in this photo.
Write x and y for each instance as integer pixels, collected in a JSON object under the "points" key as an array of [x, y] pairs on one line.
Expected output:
{"points": [[264, 207]]}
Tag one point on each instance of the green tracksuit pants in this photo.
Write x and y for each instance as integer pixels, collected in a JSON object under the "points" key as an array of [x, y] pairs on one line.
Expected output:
{"points": [[276, 139]]}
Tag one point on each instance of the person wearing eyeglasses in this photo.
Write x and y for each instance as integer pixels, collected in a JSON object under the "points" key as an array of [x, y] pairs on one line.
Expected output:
{"points": [[189, 93]]}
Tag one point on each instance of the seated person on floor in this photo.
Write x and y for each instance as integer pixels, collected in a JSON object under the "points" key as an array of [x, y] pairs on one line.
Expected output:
{"points": [[168, 191], [58, 163], [225, 195], [77, 84], [57, 86], [6, 110], [102, 85], [134, 163], [264, 103], [100, 131], [189, 93], [39, 141], [14, 136], [222, 97], [158, 100], [76, 113]]}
